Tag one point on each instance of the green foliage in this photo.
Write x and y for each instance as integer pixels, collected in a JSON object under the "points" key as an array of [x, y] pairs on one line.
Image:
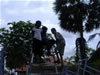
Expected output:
{"points": [[49, 36], [96, 64], [72, 59], [94, 60], [17, 42], [73, 68], [95, 56], [90, 52], [93, 36], [78, 16], [72, 13]]}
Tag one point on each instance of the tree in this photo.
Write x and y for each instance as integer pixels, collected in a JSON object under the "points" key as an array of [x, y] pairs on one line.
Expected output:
{"points": [[95, 58], [78, 48], [78, 16], [92, 37], [17, 43]]}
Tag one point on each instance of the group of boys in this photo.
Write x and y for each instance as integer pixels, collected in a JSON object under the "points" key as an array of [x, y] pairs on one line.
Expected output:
{"points": [[40, 40]]}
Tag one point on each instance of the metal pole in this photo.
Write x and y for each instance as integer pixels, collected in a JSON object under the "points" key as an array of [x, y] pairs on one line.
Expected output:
{"points": [[78, 69], [84, 69]]}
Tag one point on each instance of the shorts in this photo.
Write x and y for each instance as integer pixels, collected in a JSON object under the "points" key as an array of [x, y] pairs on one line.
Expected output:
{"points": [[60, 47]]}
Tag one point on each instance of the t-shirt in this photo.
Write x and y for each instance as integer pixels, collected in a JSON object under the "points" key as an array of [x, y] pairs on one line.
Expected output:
{"points": [[59, 37], [44, 36], [37, 33]]}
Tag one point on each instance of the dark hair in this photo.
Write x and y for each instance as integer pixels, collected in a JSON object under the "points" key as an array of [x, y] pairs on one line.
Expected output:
{"points": [[53, 29], [44, 28], [37, 22]]}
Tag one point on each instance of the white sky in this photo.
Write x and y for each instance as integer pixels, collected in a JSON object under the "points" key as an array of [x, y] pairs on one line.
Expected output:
{"points": [[16, 10]]}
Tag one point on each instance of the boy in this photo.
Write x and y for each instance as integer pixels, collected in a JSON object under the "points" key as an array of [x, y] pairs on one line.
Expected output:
{"points": [[47, 42], [60, 43], [37, 45]]}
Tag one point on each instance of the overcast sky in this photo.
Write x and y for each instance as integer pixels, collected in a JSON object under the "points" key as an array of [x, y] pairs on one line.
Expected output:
{"points": [[16, 10]]}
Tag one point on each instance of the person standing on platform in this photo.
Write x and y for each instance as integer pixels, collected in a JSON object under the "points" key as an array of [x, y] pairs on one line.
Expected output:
{"points": [[47, 42], [37, 44], [60, 45]]}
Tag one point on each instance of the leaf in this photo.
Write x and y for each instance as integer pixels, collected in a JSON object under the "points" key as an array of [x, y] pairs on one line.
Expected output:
{"points": [[99, 34], [98, 45], [92, 37]]}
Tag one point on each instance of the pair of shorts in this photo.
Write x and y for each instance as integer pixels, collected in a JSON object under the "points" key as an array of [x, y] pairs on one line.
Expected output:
{"points": [[60, 47]]}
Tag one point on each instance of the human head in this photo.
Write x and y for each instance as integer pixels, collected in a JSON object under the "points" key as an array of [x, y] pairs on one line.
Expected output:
{"points": [[44, 29], [38, 23], [53, 30]]}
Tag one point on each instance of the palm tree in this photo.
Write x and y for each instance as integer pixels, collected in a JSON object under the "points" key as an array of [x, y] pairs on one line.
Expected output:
{"points": [[93, 36], [78, 16], [96, 55], [78, 48]]}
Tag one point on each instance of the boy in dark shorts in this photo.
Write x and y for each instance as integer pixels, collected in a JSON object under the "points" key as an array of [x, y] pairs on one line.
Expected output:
{"points": [[37, 44]]}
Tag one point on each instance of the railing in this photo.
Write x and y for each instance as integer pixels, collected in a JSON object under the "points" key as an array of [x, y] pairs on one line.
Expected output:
{"points": [[81, 68], [84, 67], [30, 64], [67, 72]]}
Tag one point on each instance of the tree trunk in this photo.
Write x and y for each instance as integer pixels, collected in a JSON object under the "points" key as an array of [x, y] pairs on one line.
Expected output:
{"points": [[82, 46], [82, 42]]}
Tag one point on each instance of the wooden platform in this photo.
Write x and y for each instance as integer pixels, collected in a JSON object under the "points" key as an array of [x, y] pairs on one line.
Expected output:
{"points": [[46, 68]]}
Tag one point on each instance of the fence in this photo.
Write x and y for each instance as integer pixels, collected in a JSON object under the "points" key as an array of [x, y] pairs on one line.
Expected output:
{"points": [[83, 68]]}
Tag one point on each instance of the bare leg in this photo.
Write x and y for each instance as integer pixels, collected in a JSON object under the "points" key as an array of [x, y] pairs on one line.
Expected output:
{"points": [[58, 59], [62, 63]]}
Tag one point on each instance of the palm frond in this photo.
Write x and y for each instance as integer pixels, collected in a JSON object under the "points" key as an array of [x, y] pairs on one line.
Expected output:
{"points": [[98, 45], [99, 34], [92, 37]]}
